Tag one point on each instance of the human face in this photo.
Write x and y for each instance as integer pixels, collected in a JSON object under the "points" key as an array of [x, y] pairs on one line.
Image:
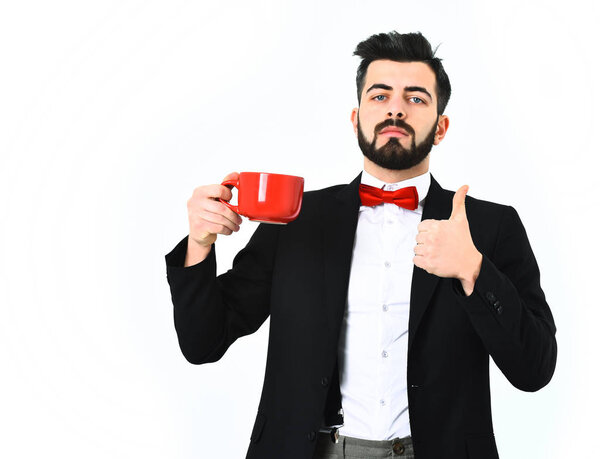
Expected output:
{"points": [[397, 122]]}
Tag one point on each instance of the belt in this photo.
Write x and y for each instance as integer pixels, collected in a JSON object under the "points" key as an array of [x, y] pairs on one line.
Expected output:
{"points": [[398, 444]]}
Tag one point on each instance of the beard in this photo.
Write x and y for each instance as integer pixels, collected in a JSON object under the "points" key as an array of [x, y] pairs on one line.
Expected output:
{"points": [[392, 155]]}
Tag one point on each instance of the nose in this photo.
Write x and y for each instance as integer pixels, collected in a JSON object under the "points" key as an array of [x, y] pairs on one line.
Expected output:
{"points": [[396, 108]]}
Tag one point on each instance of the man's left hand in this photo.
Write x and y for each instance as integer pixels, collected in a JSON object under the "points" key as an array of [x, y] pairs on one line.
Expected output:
{"points": [[445, 247]]}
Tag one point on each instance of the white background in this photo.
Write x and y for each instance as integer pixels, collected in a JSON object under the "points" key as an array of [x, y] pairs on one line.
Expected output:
{"points": [[112, 112]]}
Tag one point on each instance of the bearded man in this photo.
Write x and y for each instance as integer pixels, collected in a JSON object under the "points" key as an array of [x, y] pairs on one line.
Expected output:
{"points": [[386, 296]]}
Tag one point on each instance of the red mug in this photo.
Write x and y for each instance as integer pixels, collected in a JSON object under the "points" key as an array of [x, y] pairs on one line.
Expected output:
{"points": [[266, 197]]}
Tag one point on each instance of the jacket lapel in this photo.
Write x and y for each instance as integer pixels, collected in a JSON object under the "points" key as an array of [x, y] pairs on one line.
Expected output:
{"points": [[340, 216], [437, 207]]}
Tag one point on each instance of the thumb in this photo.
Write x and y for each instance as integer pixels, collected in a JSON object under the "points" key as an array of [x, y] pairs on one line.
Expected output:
{"points": [[225, 191], [232, 176], [458, 203]]}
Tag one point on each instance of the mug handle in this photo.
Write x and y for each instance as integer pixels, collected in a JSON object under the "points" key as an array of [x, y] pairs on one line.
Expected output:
{"points": [[233, 183]]}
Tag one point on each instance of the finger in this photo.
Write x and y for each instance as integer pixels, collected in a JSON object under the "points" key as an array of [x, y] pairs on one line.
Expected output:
{"points": [[215, 228], [216, 223], [220, 219], [419, 261], [205, 230], [217, 207], [419, 250], [216, 191], [458, 203]]}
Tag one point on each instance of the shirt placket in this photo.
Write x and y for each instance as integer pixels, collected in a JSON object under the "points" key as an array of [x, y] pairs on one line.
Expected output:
{"points": [[387, 232]]}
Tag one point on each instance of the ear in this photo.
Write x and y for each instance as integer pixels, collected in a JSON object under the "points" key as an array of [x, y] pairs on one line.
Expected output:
{"points": [[354, 119], [442, 128]]}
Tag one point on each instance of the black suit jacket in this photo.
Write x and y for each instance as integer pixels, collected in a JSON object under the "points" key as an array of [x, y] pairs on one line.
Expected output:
{"points": [[298, 275]]}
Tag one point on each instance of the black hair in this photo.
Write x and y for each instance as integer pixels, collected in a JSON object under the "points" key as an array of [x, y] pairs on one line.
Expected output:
{"points": [[402, 47]]}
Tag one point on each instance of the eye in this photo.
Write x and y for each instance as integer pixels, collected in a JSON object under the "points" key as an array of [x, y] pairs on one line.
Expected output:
{"points": [[379, 97], [416, 100]]}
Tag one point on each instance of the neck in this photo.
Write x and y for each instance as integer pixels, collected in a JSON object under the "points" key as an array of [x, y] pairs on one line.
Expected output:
{"points": [[394, 176]]}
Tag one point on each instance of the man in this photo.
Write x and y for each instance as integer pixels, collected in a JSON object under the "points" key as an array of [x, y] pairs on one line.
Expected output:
{"points": [[387, 296]]}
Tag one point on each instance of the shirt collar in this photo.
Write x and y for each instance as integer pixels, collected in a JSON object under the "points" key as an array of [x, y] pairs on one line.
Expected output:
{"points": [[422, 183]]}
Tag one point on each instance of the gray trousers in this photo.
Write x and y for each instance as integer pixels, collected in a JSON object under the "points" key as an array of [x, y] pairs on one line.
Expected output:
{"points": [[356, 448]]}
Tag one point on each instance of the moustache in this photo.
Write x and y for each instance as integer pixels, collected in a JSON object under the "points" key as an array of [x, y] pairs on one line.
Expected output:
{"points": [[395, 123]]}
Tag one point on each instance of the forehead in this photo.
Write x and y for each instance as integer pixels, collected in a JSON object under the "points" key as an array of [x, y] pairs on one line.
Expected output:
{"points": [[400, 74]]}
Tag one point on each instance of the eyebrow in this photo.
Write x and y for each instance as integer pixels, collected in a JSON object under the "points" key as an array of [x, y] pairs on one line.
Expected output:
{"points": [[406, 89], [379, 86], [417, 89]]}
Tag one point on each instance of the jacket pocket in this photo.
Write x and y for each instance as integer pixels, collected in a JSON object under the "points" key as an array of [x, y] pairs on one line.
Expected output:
{"points": [[258, 427], [482, 447]]}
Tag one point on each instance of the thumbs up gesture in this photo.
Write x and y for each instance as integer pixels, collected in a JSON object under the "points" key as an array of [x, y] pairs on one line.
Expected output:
{"points": [[445, 247]]}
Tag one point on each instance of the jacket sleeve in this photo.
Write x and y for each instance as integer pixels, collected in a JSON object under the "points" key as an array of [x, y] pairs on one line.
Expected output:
{"points": [[211, 312], [509, 311]]}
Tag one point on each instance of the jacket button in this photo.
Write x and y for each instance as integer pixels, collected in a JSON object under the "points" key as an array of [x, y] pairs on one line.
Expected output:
{"points": [[497, 306], [324, 381], [312, 436], [490, 296]]}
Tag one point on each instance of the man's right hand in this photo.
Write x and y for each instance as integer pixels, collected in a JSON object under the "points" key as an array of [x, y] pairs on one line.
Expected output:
{"points": [[209, 217]]}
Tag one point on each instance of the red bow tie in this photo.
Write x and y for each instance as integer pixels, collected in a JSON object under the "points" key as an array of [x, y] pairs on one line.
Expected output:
{"points": [[404, 197]]}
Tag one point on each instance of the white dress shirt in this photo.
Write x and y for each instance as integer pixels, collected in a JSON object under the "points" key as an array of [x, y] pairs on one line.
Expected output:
{"points": [[373, 346]]}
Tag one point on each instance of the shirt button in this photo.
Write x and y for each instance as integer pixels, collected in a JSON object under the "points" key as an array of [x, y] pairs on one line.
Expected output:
{"points": [[385, 308], [387, 264], [384, 354], [382, 402]]}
